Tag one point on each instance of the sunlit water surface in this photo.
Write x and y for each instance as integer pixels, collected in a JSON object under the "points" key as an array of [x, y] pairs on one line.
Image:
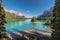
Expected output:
{"points": [[25, 25]]}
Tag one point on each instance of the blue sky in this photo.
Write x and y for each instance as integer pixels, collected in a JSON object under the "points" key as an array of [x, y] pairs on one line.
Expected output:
{"points": [[28, 7]]}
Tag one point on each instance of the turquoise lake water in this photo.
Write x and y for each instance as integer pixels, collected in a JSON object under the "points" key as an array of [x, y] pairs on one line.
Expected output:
{"points": [[24, 25]]}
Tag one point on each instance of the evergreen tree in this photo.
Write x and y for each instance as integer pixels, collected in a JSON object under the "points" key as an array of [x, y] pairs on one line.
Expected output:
{"points": [[33, 19], [56, 21], [2, 22]]}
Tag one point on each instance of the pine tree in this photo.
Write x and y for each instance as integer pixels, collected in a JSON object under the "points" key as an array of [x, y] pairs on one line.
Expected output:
{"points": [[34, 19], [2, 22], [56, 21]]}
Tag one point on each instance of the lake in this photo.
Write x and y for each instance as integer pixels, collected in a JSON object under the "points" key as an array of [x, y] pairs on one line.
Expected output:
{"points": [[15, 26]]}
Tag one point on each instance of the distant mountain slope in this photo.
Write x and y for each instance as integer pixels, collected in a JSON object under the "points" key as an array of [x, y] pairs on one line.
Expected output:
{"points": [[47, 13], [13, 15]]}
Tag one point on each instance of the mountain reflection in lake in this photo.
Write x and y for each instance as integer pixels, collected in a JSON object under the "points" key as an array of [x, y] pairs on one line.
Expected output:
{"points": [[24, 25]]}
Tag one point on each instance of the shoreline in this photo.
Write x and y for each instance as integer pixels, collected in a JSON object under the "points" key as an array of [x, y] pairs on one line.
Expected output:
{"points": [[44, 33], [38, 33]]}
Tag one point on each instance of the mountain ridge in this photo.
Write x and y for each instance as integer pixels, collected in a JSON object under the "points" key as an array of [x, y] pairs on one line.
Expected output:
{"points": [[47, 13], [17, 13], [13, 15]]}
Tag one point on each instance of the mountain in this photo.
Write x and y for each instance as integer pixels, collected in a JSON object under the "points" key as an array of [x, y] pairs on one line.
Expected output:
{"points": [[47, 13], [13, 15]]}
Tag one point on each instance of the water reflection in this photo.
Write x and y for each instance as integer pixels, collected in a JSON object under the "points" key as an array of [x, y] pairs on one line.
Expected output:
{"points": [[34, 25], [24, 25]]}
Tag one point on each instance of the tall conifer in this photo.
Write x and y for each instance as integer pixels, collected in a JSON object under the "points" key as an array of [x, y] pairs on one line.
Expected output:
{"points": [[56, 21], [2, 22]]}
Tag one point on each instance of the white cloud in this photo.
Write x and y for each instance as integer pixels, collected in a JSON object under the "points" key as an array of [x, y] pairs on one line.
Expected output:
{"points": [[28, 11]]}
